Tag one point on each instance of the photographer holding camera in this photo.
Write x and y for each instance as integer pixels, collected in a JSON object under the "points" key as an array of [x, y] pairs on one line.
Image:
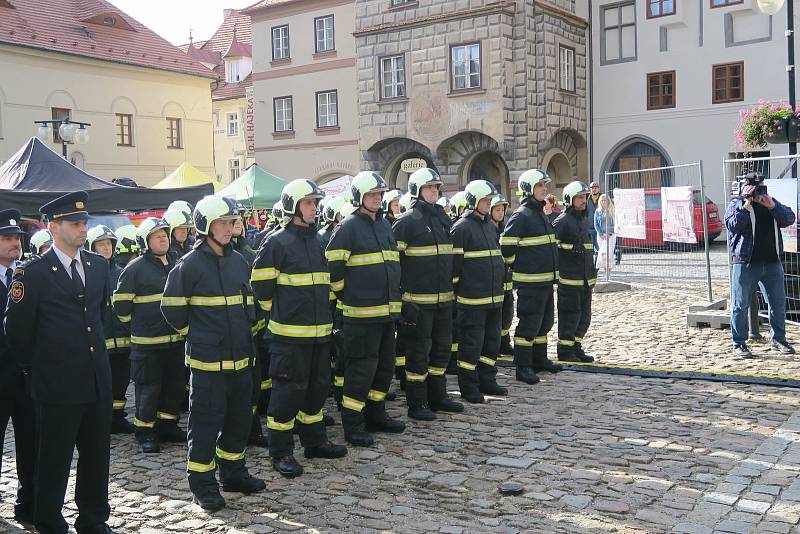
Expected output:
{"points": [[753, 219]]}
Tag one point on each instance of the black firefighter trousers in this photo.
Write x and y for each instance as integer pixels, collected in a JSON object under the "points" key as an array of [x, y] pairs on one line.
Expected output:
{"points": [[220, 416], [159, 384], [478, 347], [428, 350], [119, 360], [300, 384], [536, 318], [369, 362], [574, 316]]}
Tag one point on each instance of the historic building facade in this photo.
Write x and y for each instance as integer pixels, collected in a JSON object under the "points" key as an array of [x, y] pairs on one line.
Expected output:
{"points": [[475, 89]]}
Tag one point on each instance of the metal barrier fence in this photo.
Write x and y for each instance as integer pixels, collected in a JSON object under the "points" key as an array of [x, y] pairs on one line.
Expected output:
{"points": [[663, 225], [782, 184]]}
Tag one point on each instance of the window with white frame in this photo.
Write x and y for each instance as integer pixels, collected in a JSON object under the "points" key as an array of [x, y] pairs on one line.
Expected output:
{"points": [[393, 77], [234, 72], [323, 29], [280, 42], [327, 109], [466, 66], [566, 68], [232, 120], [234, 168], [283, 114], [619, 33]]}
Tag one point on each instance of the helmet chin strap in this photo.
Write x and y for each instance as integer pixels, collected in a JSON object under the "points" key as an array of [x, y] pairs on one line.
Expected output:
{"points": [[214, 239]]}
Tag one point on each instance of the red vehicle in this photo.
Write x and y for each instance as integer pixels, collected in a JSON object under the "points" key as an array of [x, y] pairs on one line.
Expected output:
{"points": [[652, 206]]}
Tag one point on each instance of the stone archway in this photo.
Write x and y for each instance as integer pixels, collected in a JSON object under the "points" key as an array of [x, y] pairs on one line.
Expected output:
{"points": [[474, 155], [386, 155], [557, 165]]}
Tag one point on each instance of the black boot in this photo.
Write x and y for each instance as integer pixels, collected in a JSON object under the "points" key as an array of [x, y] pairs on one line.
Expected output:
{"points": [[287, 466], [355, 432], [210, 500], [582, 356], [568, 357], [493, 388], [421, 412], [168, 432], [386, 424], [527, 375], [327, 450], [246, 484], [328, 420], [505, 346], [391, 396], [120, 425], [359, 438], [148, 441], [447, 404], [547, 366], [257, 437]]}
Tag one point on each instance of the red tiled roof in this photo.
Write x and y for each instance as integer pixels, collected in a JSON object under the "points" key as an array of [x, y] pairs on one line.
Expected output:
{"points": [[221, 40], [76, 27], [203, 56], [265, 3], [185, 47], [226, 91], [238, 49]]}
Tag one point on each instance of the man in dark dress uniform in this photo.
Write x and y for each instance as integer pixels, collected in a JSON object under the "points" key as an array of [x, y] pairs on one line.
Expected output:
{"points": [[55, 320], [15, 402]]}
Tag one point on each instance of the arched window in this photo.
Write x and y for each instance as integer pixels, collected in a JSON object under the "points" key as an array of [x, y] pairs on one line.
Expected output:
{"points": [[636, 156]]}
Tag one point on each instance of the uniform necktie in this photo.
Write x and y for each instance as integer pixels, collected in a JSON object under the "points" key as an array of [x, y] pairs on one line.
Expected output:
{"points": [[76, 279], [9, 271]]}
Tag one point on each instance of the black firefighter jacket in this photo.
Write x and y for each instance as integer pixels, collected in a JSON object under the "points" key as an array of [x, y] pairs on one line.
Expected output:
{"points": [[118, 338], [137, 302], [529, 246], [426, 255], [478, 268], [365, 268], [208, 299], [575, 249], [292, 284]]}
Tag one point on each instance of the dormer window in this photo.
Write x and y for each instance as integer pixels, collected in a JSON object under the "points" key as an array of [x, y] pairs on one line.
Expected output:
{"points": [[110, 21], [234, 71]]}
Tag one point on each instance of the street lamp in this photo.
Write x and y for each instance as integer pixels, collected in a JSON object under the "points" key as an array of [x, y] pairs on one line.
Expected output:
{"points": [[771, 7], [69, 132]]}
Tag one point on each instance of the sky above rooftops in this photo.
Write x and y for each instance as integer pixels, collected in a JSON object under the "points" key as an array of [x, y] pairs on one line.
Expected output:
{"points": [[171, 19]]}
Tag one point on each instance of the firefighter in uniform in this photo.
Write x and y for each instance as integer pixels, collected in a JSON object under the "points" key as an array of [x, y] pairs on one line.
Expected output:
{"points": [[456, 207], [127, 249], [275, 221], [180, 222], [345, 210], [15, 401], [577, 274], [208, 298], [426, 260], [156, 348], [391, 205], [331, 216], [40, 242], [365, 275], [57, 313], [101, 240], [497, 212], [478, 274], [530, 248], [291, 282]]}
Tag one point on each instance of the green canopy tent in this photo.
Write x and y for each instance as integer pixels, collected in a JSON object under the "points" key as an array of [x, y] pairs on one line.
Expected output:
{"points": [[256, 188]]}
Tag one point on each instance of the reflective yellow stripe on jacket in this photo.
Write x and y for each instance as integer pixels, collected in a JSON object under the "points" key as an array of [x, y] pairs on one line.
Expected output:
{"points": [[373, 258], [537, 277], [428, 298], [482, 253], [578, 283], [371, 311], [428, 250], [482, 301], [142, 340], [304, 279], [231, 300], [307, 331], [225, 365]]}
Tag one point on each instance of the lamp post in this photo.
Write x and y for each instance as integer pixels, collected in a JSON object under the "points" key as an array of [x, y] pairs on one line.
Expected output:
{"points": [[69, 132], [770, 7]]}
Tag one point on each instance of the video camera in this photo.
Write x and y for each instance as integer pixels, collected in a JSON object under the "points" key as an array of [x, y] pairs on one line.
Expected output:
{"points": [[752, 178]]}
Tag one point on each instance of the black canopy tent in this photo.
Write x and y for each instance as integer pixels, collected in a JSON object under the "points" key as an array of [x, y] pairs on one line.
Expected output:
{"points": [[35, 175]]}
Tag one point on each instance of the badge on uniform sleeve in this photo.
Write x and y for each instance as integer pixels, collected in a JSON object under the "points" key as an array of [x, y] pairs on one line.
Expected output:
{"points": [[17, 292]]}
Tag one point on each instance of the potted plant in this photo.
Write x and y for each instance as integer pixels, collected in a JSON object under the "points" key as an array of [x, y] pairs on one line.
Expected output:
{"points": [[768, 123]]}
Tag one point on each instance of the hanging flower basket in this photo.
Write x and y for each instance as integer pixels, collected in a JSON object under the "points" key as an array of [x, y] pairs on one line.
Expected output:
{"points": [[767, 123]]}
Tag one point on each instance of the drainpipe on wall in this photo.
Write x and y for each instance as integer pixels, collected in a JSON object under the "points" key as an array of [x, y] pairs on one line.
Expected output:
{"points": [[590, 75]]}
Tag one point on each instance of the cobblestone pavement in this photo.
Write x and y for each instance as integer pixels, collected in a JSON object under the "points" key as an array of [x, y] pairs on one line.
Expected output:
{"points": [[594, 453]]}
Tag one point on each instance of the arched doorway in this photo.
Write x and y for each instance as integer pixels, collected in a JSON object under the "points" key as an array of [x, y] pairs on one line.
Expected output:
{"points": [[394, 174], [558, 167], [636, 154], [487, 165]]}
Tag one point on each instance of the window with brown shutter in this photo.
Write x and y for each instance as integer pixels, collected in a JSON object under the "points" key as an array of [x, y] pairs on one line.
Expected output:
{"points": [[727, 83], [124, 129], [661, 90]]}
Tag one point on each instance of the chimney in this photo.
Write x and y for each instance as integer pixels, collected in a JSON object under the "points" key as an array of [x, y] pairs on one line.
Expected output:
{"points": [[227, 13]]}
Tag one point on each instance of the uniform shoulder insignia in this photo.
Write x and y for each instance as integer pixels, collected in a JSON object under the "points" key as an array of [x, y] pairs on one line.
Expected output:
{"points": [[17, 291]]}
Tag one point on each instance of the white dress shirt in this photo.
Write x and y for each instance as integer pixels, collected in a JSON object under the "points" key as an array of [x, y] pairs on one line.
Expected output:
{"points": [[67, 262], [3, 271]]}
